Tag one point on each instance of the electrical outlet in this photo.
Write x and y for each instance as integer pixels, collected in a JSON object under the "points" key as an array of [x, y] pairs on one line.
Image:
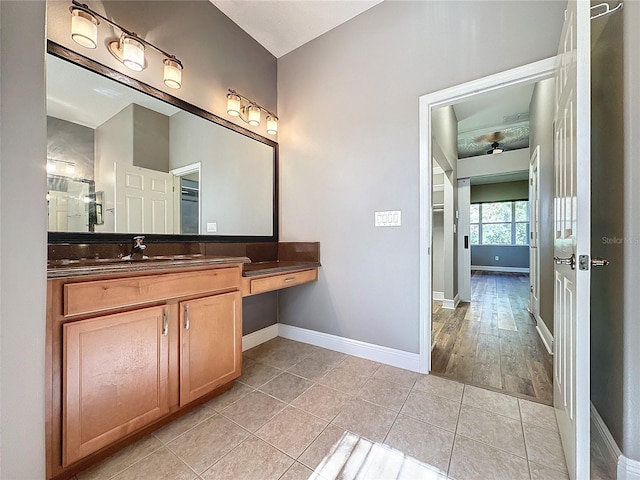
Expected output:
{"points": [[497, 258], [212, 227]]}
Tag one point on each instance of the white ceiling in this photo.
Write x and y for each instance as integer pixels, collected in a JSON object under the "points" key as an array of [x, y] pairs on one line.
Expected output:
{"points": [[72, 90], [281, 26]]}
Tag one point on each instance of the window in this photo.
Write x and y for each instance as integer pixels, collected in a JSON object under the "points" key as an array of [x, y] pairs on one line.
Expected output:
{"points": [[500, 223]]}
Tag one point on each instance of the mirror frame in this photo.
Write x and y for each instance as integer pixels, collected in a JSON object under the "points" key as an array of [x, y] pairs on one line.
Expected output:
{"points": [[92, 237]]}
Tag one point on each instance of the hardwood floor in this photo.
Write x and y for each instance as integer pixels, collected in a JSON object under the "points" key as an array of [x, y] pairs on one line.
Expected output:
{"points": [[492, 341]]}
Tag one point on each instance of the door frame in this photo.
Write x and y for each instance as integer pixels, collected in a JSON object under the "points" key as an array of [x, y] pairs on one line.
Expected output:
{"points": [[178, 173], [534, 241], [530, 73]]}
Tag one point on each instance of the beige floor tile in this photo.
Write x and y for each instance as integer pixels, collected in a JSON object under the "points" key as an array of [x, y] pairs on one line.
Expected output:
{"points": [[412, 470], [383, 393], [539, 415], [347, 459], [346, 380], [443, 387], [540, 472], [321, 401], [491, 401], [121, 460], [176, 428], [365, 419], [164, 465], [255, 373], [284, 358], [263, 349], [421, 441], [362, 366], [321, 447], [251, 460], [473, 460], [221, 402], [496, 430], [286, 387], [432, 409], [297, 471], [544, 447], [206, 443], [253, 410], [292, 431], [396, 375], [317, 364]]}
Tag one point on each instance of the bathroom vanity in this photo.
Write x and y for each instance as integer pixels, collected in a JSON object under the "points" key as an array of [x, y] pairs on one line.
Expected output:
{"points": [[132, 345]]}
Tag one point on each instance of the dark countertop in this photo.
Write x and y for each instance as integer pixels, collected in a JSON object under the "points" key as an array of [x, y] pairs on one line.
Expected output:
{"points": [[269, 268], [95, 266]]}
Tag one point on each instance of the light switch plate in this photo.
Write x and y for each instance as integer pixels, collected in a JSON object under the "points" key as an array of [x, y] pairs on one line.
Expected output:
{"points": [[212, 227], [389, 218]]}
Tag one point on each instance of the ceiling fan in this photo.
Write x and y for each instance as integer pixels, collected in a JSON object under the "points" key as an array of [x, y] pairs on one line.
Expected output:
{"points": [[492, 138], [495, 148]]}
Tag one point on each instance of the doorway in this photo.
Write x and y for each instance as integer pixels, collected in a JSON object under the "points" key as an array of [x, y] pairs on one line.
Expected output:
{"points": [[523, 75]]}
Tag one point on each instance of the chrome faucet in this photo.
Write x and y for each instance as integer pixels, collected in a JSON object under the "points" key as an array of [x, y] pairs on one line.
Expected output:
{"points": [[138, 247]]}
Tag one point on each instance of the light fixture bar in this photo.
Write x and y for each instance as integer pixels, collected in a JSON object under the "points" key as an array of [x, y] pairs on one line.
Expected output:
{"points": [[175, 64], [249, 111]]}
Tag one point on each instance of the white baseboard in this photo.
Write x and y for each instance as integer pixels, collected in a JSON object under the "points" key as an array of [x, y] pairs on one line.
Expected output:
{"points": [[491, 268], [451, 304], [618, 466], [545, 334], [377, 353], [437, 295], [256, 338]]}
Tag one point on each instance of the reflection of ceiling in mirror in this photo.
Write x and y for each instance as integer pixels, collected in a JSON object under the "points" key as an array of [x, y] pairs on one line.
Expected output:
{"points": [[71, 90], [479, 143]]}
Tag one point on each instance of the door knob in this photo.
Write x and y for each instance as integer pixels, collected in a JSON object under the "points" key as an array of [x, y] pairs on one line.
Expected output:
{"points": [[566, 261]]}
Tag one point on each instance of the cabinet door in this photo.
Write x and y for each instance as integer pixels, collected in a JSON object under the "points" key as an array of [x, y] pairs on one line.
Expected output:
{"points": [[211, 344], [115, 373]]}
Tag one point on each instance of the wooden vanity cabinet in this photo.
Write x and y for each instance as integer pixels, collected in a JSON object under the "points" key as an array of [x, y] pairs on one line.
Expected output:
{"points": [[210, 344], [116, 369], [127, 353]]}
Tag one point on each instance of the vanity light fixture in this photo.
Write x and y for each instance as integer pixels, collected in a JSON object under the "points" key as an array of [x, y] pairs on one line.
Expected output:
{"points": [[249, 111], [128, 49]]}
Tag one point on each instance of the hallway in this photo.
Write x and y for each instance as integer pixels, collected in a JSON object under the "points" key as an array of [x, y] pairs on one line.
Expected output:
{"points": [[493, 341]]}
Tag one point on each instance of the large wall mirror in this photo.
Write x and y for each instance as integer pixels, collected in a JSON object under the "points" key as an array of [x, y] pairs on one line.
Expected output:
{"points": [[124, 158]]}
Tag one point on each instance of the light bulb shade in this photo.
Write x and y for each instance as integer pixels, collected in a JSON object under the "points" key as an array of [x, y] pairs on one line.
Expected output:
{"points": [[172, 73], [272, 125], [233, 105], [253, 115], [133, 53], [84, 28]]}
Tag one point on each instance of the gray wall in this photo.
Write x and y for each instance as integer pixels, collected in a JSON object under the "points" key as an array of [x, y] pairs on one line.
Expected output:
{"points": [[541, 111], [150, 139], [615, 374], [237, 172], [71, 142], [506, 162], [259, 311], [23, 239], [500, 192], [353, 148], [511, 256]]}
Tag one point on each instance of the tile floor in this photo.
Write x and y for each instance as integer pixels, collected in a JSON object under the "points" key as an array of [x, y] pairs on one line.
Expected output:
{"points": [[302, 412]]}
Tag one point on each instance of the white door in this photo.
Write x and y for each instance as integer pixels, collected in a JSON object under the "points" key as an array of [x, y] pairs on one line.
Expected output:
{"points": [[464, 240], [572, 237], [143, 200], [534, 259]]}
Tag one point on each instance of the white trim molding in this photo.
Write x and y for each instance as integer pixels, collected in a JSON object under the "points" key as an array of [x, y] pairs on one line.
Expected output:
{"points": [[370, 351], [497, 268], [451, 304], [618, 466], [256, 338], [545, 335], [437, 295]]}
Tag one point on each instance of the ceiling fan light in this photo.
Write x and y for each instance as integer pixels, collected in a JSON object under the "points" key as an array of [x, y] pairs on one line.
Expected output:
{"points": [[133, 53], [84, 28], [172, 73]]}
